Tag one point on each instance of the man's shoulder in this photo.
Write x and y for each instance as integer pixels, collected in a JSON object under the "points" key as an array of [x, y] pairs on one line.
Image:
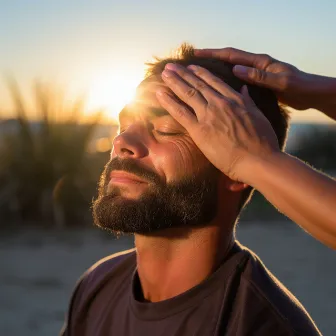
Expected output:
{"points": [[111, 269], [112, 262], [267, 295], [112, 265], [107, 275]]}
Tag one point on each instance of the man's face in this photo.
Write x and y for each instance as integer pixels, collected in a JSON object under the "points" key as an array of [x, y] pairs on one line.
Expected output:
{"points": [[157, 178]]}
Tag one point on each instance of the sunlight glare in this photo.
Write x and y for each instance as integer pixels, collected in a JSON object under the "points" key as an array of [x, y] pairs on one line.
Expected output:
{"points": [[112, 91]]}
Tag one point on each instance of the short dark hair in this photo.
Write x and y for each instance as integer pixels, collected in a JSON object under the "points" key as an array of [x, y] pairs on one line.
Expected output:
{"points": [[265, 99]]}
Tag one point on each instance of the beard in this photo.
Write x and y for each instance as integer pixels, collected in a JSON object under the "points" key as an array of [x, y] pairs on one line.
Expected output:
{"points": [[187, 203]]}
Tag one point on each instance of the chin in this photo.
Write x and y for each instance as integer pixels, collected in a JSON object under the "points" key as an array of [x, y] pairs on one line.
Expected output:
{"points": [[118, 214], [188, 203], [125, 193], [119, 203]]}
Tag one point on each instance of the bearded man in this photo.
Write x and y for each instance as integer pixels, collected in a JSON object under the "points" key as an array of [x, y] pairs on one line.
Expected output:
{"points": [[178, 188]]}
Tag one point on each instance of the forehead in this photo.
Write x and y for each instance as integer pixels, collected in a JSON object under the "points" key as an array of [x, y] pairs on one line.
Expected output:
{"points": [[146, 90], [145, 98]]}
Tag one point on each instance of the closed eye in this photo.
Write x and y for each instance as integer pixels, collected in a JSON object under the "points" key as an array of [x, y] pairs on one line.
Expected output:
{"points": [[167, 133]]}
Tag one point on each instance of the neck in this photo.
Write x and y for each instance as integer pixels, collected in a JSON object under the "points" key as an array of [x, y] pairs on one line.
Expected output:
{"points": [[179, 259]]}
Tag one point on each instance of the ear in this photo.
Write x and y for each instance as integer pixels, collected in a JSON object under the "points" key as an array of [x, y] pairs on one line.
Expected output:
{"points": [[237, 186], [234, 186]]}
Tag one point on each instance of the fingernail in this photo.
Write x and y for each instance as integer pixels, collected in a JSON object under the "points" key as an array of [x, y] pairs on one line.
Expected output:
{"points": [[240, 70], [192, 67], [166, 73], [171, 66]]}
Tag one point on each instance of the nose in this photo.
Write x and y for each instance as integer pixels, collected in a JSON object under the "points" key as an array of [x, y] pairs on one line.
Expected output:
{"points": [[129, 144]]}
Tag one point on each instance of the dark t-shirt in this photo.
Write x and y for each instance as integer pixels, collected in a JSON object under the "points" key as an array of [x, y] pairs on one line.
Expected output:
{"points": [[240, 298]]}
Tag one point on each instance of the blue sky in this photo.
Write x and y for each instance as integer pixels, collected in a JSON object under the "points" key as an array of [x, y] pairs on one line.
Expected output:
{"points": [[69, 41]]}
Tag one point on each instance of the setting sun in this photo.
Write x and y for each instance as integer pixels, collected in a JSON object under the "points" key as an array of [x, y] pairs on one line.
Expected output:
{"points": [[112, 91]]}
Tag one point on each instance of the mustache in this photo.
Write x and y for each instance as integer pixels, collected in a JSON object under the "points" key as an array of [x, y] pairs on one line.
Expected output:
{"points": [[132, 167]]}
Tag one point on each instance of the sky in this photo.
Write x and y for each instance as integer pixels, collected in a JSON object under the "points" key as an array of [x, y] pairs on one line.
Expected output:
{"points": [[99, 48]]}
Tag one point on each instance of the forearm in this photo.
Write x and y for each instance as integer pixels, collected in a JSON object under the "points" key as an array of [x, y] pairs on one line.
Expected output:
{"points": [[301, 193], [321, 94]]}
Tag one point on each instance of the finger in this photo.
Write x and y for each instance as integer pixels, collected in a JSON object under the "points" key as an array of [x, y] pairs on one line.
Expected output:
{"points": [[189, 76], [215, 82], [222, 54], [179, 112], [237, 56], [184, 91], [260, 77], [246, 96]]}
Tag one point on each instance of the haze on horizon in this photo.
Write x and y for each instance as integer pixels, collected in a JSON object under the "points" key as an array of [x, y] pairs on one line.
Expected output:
{"points": [[99, 48]]}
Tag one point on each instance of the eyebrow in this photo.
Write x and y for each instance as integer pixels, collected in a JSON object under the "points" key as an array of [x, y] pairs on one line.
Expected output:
{"points": [[155, 111]]}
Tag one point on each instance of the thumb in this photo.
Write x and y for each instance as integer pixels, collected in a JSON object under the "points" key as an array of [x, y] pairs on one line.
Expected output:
{"points": [[258, 77]]}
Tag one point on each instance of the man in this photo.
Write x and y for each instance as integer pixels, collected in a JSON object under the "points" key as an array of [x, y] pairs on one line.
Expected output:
{"points": [[176, 191]]}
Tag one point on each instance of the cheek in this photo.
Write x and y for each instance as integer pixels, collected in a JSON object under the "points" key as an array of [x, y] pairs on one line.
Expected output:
{"points": [[178, 158]]}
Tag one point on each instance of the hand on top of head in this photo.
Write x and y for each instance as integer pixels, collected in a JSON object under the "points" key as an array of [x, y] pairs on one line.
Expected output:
{"points": [[288, 82]]}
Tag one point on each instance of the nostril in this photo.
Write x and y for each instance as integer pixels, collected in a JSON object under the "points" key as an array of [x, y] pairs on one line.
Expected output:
{"points": [[126, 151]]}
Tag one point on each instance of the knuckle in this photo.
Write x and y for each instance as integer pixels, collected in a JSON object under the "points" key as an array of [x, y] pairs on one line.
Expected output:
{"points": [[212, 107], [265, 61], [190, 93], [180, 111], [266, 58], [257, 75], [200, 85], [230, 52], [231, 104]]}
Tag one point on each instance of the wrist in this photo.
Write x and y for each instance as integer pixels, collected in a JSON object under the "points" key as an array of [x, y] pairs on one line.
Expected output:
{"points": [[319, 92], [254, 168]]}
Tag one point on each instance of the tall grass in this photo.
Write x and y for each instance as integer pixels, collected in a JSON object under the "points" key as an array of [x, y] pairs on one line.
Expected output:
{"points": [[45, 168]]}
